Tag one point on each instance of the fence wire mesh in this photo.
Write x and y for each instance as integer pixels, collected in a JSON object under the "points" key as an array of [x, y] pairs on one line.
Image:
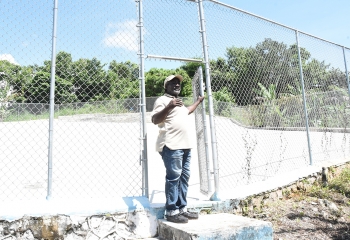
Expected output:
{"points": [[347, 63], [96, 146], [23, 135], [260, 119], [201, 134], [166, 36], [327, 98]]}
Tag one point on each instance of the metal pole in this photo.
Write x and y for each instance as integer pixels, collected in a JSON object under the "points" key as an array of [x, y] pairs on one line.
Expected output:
{"points": [[215, 196], [144, 157], [346, 71], [304, 98], [205, 132], [175, 58], [52, 100]]}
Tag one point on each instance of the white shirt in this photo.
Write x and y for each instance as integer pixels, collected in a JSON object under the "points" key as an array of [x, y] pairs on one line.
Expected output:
{"points": [[174, 130]]}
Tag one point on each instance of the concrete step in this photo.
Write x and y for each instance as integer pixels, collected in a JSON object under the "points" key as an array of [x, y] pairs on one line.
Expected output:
{"points": [[216, 226]]}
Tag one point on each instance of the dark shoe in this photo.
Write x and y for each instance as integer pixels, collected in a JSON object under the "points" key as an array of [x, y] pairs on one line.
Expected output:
{"points": [[190, 215], [178, 218]]}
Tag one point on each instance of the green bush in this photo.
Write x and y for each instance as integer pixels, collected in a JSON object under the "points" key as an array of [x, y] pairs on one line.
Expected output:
{"points": [[38, 90]]}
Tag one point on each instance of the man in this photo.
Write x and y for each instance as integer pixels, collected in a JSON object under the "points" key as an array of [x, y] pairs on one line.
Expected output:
{"points": [[174, 146]]}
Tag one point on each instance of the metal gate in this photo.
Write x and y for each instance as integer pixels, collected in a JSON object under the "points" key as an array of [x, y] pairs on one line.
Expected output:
{"points": [[201, 134]]}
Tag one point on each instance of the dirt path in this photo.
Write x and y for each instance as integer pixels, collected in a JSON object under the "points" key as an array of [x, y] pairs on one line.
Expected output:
{"points": [[310, 218], [316, 213]]}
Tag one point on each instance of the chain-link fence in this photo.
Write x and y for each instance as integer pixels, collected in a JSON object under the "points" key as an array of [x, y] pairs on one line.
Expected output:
{"points": [[165, 35], [23, 144], [202, 134], [280, 98], [327, 98], [259, 95], [96, 133]]}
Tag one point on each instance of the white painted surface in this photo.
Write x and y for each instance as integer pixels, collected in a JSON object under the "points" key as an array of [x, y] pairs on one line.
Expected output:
{"points": [[88, 157]]}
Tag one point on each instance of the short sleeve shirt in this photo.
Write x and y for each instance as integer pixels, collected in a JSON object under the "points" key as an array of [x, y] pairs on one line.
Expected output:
{"points": [[174, 130]]}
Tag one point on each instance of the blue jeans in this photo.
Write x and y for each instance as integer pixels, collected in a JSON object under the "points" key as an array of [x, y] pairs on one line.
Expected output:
{"points": [[177, 165]]}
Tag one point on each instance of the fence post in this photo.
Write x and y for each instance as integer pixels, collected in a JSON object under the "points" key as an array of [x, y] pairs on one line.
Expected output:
{"points": [[205, 132], [304, 98], [215, 196], [52, 100], [346, 71], [144, 159]]}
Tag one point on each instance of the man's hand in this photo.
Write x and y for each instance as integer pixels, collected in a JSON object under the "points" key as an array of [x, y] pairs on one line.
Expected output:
{"points": [[160, 116], [195, 105], [175, 102], [200, 99]]}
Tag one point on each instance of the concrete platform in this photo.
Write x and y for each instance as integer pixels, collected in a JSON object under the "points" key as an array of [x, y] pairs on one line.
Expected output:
{"points": [[216, 226]]}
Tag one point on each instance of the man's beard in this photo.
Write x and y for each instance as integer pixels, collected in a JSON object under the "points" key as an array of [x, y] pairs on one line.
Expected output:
{"points": [[174, 92]]}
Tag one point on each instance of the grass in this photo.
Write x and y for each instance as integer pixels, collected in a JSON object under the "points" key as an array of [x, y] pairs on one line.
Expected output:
{"points": [[26, 116], [106, 107], [339, 184]]}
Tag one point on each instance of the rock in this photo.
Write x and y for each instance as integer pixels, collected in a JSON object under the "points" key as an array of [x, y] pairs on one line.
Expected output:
{"points": [[311, 180], [300, 186], [84, 226], [279, 194], [324, 177], [73, 236], [324, 214], [293, 188], [129, 225], [333, 207], [27, 235], [330, 205], [145, 223], [273, 196], [321, 202], [77, 220], [256, 202], [95, 221]]}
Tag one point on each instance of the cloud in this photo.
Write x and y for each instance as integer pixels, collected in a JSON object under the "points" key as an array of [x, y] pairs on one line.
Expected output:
{"points": [[122, 35], [8, 57]]}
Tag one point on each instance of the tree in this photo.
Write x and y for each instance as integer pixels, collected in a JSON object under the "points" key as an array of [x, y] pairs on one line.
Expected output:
{"points": [[64, 66], [17, 78], [125, 70], [90, 80], [319, 76], [337, 78], [267, 93], [223, 95], [122, 88], [39, 90], [192, 67], [237, 72], [269, 62], [123, 78], [155, 82]]}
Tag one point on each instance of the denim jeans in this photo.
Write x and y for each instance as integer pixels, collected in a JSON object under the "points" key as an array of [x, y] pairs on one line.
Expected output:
{"points": [[177, 165]]}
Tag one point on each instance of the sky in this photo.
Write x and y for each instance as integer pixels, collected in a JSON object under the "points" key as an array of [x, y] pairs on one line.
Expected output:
{"points": [[329, 20], [106, 31]]}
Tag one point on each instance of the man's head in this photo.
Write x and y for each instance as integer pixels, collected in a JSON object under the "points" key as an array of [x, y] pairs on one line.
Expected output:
{"points": [[172, 85]]}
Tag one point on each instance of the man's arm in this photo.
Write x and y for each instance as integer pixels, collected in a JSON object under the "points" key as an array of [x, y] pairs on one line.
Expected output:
{"points": [[161, 115], [195, 105]]}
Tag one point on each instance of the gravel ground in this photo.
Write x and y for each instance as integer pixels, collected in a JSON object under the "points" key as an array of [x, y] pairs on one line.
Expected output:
{"points": [[310, 218], [316, 213]]}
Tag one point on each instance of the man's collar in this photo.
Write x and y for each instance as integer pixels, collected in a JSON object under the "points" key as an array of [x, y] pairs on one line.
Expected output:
{"points": [[168, 95]]}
